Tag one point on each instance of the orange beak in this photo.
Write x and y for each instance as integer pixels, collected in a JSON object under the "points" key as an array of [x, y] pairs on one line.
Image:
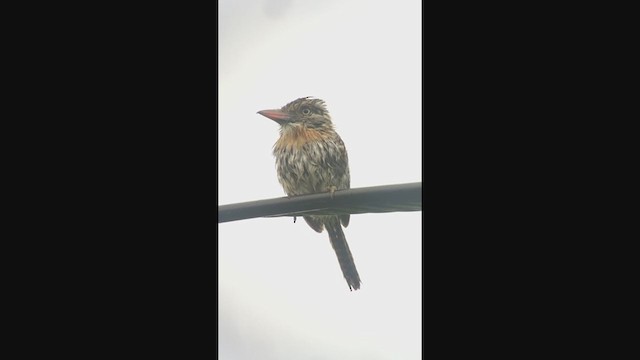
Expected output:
{"points": [[276, 115]]}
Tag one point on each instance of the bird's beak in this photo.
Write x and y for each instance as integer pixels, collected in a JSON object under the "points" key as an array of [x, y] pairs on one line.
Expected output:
{"points": [[276, 115]]}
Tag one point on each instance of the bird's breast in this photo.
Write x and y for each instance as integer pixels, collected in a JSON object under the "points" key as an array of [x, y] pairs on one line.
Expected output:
{"points": [[307, 162]]}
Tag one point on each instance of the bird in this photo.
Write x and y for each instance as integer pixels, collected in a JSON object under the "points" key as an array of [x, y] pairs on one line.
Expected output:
{"points": [[312, 158]]}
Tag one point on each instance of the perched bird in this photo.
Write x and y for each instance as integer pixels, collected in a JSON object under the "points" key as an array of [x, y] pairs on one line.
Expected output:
{"points": [[311, 158]]}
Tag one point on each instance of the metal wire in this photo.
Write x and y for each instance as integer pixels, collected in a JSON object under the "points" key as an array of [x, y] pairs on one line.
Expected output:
{"points": [[375, 199]]}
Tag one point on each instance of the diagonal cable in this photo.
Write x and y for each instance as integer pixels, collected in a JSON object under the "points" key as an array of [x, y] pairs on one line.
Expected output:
{"points": [[375, 199]]}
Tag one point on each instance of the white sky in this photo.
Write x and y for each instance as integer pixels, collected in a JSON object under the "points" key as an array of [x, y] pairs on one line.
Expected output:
{"points": [[281, 291]]}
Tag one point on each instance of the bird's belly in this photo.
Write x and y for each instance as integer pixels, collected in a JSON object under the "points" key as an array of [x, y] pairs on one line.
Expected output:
{"points": [[304, 170]]}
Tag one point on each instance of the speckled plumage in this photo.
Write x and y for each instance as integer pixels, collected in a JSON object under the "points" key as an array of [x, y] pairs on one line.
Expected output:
{"points": [[311, 158]]}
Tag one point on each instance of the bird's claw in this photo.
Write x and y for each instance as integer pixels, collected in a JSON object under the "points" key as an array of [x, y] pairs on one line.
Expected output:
{"points": [[332, 189]]}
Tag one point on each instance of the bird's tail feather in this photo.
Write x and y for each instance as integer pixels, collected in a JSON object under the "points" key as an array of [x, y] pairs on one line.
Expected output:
{"points": [[340, 246]]}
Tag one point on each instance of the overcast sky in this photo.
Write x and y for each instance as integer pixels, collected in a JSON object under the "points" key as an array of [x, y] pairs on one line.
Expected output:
{"points": [[281, 292]]}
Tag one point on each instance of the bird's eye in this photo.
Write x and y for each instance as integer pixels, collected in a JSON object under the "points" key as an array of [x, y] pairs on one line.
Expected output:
{"points": [[306, 111]]}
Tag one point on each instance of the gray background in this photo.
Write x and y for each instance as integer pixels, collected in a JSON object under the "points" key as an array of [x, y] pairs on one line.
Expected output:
{"points": [[281, 291]]}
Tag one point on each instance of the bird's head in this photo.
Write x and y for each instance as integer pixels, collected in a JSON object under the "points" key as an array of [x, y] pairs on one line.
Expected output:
{"points": [[304, 112]]}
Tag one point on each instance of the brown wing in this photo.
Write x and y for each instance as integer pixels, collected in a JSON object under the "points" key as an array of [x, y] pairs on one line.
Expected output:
{"points": [[314, 223]]}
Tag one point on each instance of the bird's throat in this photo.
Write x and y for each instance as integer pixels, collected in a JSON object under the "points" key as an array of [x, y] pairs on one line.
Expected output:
{"points": [[296, 137]]}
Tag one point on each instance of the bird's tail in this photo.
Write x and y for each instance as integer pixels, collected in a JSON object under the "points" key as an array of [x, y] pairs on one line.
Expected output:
{"points": [[340, 246]]}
